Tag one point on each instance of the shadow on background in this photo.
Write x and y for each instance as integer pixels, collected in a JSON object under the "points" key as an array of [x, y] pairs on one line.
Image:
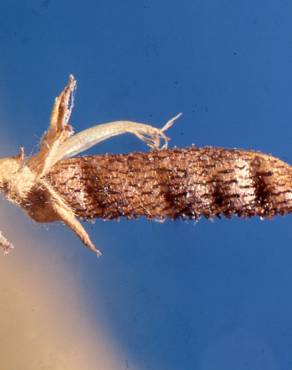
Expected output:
{"points": [[44, 321]]}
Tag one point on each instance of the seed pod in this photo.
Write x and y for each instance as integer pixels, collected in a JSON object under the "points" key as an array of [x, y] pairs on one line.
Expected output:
{"points": [[175, 183]]}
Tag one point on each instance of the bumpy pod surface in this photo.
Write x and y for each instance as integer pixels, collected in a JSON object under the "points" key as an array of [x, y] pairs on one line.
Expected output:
{"points": [[175, 183]]}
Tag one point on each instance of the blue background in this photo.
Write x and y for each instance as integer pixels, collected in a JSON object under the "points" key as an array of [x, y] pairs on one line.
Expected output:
{"points": [[176, 295]]}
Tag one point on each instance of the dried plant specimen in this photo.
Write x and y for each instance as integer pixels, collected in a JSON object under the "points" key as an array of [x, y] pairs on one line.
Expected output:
{"points": [[163, 183]]}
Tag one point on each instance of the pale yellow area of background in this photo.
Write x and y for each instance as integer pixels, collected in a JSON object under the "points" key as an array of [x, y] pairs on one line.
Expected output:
{"points": [[44, 323]]}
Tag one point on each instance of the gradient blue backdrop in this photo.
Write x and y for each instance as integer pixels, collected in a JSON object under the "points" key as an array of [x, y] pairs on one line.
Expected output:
{"points": [[177, 295]]}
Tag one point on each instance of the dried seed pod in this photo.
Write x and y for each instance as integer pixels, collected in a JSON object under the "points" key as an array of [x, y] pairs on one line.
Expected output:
{"points": [[177, 183]]}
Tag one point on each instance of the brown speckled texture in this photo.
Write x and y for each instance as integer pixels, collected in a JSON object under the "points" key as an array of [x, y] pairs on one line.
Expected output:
{"points": [[175, 183]]}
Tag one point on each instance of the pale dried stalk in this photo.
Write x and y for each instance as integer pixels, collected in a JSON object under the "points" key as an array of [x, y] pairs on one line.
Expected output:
{"points": [[24, 181]]}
